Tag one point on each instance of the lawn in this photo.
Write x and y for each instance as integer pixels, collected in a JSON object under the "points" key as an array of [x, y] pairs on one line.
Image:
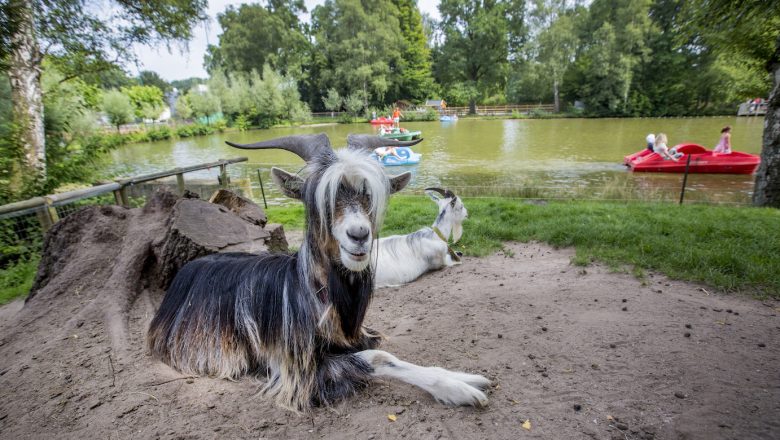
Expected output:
{"points": [[735, 249]]}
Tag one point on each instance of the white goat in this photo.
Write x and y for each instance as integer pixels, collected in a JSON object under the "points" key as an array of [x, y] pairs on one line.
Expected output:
{"points": [[404, 258]]}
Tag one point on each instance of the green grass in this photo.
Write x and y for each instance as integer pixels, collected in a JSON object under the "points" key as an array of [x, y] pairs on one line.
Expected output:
{"points": [[16, 279], [731, 248]]}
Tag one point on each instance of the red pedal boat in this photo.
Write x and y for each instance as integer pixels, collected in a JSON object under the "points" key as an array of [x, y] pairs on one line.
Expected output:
{"points": [[702, 161], [382, 121]]}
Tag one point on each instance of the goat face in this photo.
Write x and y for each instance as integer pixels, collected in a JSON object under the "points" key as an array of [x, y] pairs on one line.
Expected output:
{"points": [[451, 211], [345, 196]]}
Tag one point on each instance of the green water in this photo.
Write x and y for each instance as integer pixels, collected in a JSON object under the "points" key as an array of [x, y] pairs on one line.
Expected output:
{"points": [[492, 156]]}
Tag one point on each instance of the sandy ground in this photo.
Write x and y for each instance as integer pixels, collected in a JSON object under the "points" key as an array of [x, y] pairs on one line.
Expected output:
{"points": [[577, 352]]}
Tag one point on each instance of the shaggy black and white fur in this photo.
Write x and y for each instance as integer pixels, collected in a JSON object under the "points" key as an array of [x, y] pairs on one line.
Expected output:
{"points": [[298, 319]]}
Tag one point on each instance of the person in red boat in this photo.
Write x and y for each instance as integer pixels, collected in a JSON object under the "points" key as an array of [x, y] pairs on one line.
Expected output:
{"points": [[724, 145], [662, 150]]}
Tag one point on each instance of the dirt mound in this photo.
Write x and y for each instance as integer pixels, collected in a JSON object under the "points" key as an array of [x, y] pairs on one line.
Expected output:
{"points": [[579, 353]]}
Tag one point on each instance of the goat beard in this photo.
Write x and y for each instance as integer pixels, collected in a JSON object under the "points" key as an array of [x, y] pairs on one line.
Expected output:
{"points": [[457, 232]]}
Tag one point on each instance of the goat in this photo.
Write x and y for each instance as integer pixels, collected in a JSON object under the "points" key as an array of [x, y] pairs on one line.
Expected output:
{"points": [[401, 259], [298, 318]]}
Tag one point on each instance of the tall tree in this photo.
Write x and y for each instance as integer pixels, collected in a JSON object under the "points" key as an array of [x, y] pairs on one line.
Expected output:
{"points": [[475, 53], [254, 35], [752, 29], [556, 41], [149, 78], [80, 37], [615, 38], [416, 72], [361, 45]]}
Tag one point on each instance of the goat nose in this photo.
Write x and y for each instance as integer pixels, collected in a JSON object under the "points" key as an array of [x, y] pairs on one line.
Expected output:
{"points": [[358, 233]]}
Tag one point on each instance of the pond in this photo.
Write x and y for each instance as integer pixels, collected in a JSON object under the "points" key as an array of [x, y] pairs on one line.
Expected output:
{"points": [[579, 158]]}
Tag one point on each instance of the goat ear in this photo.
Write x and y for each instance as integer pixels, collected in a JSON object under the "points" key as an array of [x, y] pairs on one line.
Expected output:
{"points": [[290, 184], [397, 183]]}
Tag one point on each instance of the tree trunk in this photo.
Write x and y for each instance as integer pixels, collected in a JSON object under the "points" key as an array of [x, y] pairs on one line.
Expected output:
{"points": [[26, 92], [555, 96], [472, 107], [767, 188]]}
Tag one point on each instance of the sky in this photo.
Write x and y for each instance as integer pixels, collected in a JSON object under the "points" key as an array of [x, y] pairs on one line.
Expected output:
{"points": [[183, 63]]}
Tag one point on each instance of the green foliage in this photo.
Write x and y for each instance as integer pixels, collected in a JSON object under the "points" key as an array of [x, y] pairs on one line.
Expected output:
{"points": [[354, 103], [204, 104], [416, 81], [255, 35], [153, 79], [118, 108], [360, 45], [185, 131], [474, 57], [147, 101], [183, 107], [333, 100], [16, 279]]}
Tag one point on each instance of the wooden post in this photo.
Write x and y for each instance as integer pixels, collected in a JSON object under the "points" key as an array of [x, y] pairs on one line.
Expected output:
{"points": [[262, 190], [223, 178], [685, 178], [50, 212], [43, 218], [118, 197], [180, 183]]}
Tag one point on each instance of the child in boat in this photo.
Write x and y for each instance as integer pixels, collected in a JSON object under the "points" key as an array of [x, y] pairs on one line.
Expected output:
{"points": [[662, 150], [381, 152], [724, 145], [650, 141]]}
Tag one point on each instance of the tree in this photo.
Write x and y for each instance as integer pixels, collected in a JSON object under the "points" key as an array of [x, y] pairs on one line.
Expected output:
{"points": [[333, 100], [254, 35], [146, 100], [149, 78], [79, 37], [183, 108], [118, 108], [615, 41], [203, 103], [556, 41], [361, 45], [750, 29], [475, 52], [416, 71]]}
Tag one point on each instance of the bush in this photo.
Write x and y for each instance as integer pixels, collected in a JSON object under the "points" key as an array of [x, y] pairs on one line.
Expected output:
{"points": [[242, 122], [426, 115], [159, 134]]}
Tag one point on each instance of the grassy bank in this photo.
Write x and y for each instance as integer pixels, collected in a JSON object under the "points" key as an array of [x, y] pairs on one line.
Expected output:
{"points": [[733, 249]]}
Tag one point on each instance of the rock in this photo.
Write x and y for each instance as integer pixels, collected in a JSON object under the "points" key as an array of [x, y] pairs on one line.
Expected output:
{"points": [[679, 395]]}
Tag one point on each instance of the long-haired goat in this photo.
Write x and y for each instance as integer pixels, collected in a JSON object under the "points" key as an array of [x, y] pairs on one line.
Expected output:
{"points": [[403, 258], [299, 318]]}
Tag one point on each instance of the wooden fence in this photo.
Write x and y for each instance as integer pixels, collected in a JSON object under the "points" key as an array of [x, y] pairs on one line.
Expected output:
{"points": [[495, 110], [44, 207]]}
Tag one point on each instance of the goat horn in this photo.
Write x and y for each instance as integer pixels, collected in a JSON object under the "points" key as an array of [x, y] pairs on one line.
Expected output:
{"points": [[447, 194], [306, 146], [370, 142]]}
